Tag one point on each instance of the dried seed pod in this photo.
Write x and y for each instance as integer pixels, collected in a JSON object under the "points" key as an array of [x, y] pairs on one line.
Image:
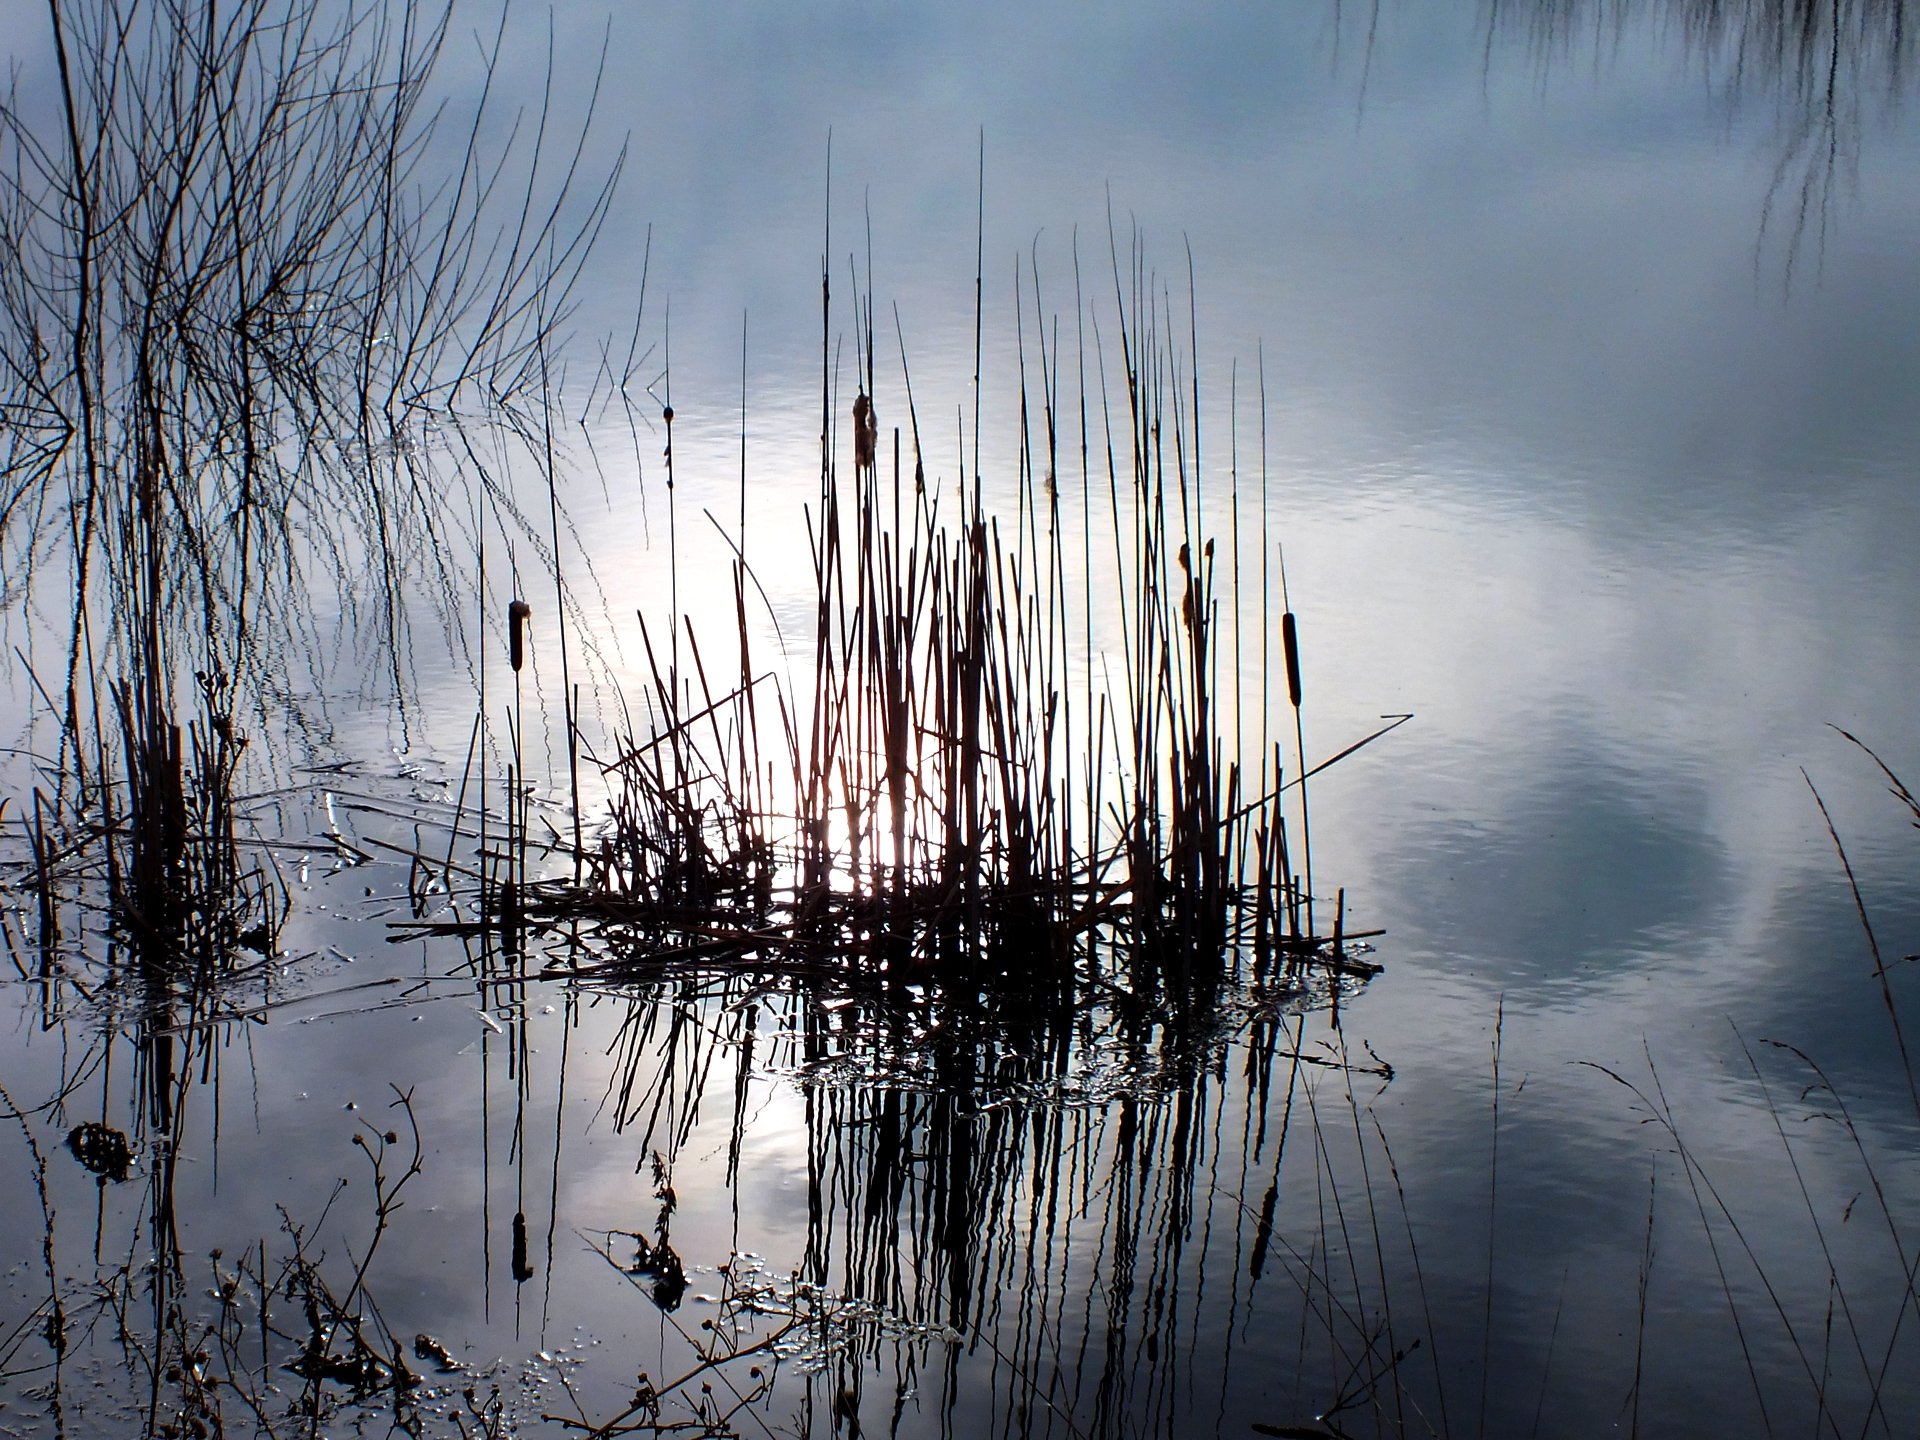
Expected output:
{"points": [[866, 433], [518, 614], [1289, 638]]}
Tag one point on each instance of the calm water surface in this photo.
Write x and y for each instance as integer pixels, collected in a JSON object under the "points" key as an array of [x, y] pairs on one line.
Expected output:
{"points": [[1589, 335]]}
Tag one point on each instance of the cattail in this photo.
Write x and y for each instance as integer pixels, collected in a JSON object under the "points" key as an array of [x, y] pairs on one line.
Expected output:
{"points": [[512, 921], [520, 612], [866, 433], [1290, 639], [522, 1271]]}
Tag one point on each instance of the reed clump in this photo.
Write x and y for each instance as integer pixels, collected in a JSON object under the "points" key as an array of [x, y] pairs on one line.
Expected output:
{"points": [[1022, 729]]}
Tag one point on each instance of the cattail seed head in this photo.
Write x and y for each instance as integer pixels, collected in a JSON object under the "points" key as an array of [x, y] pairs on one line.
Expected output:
{"points": [[518, 614], [1290, 639]]}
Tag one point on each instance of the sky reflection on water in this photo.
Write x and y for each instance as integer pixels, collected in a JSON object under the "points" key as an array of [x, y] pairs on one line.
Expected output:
{"points": [[1584, 448]]}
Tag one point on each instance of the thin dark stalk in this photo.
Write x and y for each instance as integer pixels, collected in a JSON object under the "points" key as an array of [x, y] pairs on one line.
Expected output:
{"points": [[1493, 1220]]}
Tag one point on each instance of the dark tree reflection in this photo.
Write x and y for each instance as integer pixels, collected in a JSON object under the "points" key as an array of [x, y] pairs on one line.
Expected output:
{"points": [[1828, 69]]}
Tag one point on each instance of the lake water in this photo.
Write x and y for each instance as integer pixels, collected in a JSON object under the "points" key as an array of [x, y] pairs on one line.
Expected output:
{"points": [[1588, 341]]}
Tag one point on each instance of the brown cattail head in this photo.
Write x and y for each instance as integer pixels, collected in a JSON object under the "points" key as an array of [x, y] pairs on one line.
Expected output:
{"points": [[1290, 639], [518, 614], [866, 433]]}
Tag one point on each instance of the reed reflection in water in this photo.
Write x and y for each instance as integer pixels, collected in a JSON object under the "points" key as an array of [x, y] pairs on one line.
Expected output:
{"points": [[1006, 1218], [1029, 1221]]}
